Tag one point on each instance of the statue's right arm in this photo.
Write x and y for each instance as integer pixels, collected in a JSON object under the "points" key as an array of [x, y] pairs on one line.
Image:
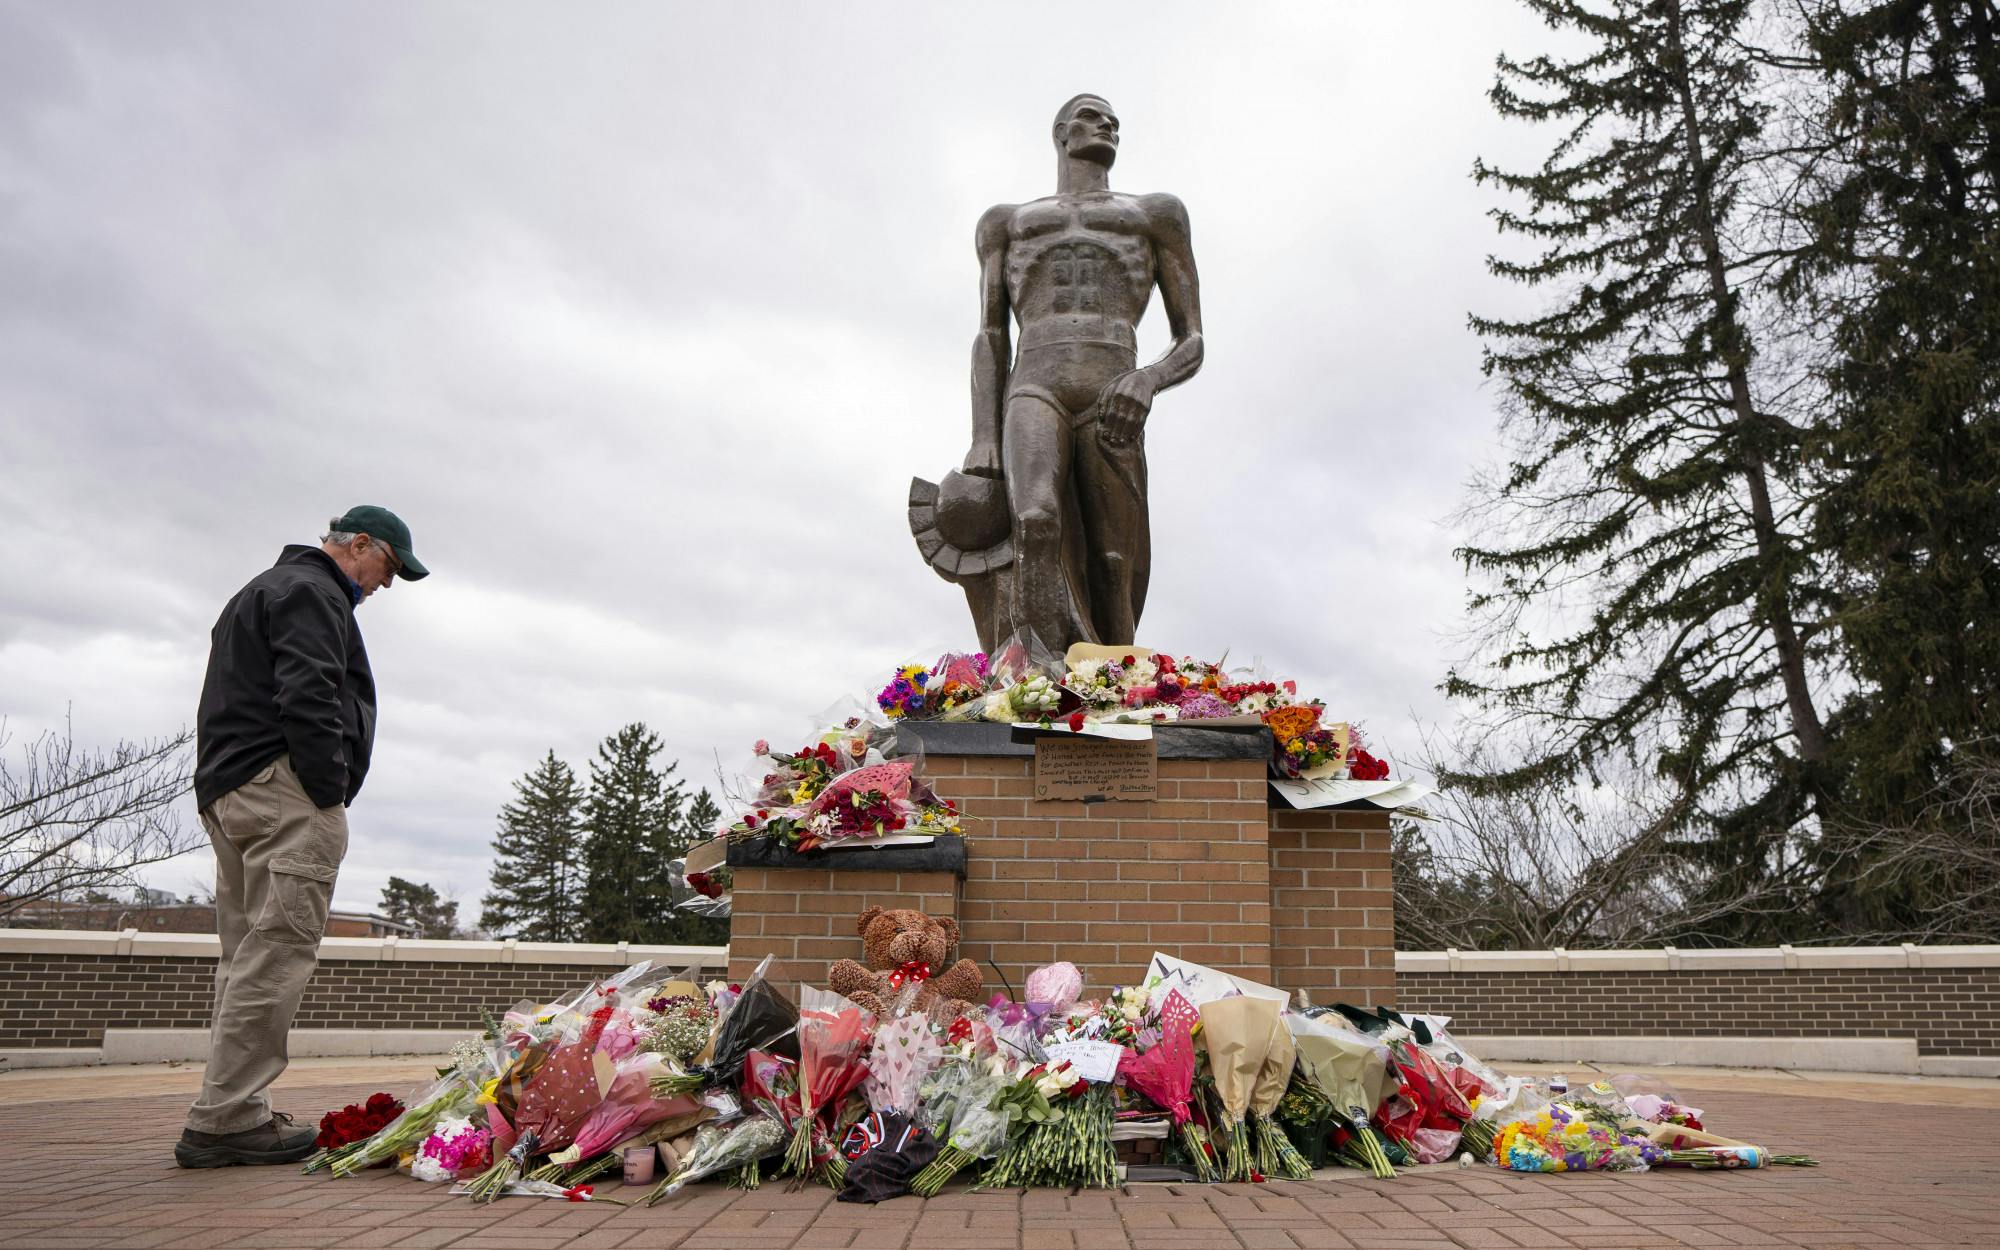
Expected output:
{"points": [[991, 349]]}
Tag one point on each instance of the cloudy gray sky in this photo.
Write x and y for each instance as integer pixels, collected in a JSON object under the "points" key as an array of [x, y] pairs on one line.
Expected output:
{"points": [[644, 314]]}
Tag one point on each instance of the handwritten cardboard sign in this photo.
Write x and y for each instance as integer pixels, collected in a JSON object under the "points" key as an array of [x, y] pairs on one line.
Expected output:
{"points": [[1092, 769]]}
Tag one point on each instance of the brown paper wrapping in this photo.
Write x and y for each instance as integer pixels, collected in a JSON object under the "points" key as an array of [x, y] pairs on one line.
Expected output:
{"points": [[1237, 1032], [1276, 1074]]}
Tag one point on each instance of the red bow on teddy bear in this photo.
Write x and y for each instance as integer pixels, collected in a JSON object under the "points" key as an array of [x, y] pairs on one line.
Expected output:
{"points": [[914, 970]]}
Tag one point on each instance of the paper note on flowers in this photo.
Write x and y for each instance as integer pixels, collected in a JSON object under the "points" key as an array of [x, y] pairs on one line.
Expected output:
{"points": [[1081, 768], [1331, 792], [1199, 984], [1091, 1061]]}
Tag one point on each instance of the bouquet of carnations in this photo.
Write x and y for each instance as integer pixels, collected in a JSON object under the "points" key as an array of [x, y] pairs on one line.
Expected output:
{"points": [[1425, 1112], [833, 1060], [457, 1149]]}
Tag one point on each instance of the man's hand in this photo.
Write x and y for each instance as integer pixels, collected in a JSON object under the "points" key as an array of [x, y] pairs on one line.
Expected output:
{"points": [[1122, 407], [982, 461]]}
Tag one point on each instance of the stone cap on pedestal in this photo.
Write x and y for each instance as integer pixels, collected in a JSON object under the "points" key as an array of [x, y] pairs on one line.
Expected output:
{"points": [[1177, 741], [945, 854]]}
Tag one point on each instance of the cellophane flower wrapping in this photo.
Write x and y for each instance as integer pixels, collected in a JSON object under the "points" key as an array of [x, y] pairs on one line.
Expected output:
{"points": [[1425, 1113], [1055, 986], [630, 1106], [450, 1095], [834, 1037], [1565, 1138], [905, 1050], [1237, 1034], [976, 1129], [720, 1147]]}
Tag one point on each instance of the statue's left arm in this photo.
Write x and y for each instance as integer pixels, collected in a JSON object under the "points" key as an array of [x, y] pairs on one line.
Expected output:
{"points": [[1126, 403]]}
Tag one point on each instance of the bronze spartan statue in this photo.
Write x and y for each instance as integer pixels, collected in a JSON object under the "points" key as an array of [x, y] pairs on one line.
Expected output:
{"points": [[1045, 526]]}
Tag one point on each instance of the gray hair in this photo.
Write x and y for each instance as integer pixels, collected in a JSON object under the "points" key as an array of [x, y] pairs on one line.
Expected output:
{"points": [[339, 538]]}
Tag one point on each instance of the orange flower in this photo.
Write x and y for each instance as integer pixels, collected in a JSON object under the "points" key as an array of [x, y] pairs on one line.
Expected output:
{"points": [[1292, 722]]}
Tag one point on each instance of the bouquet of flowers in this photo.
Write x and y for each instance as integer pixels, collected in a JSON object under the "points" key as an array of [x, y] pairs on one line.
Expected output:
{"points": [[342, 1131], [833, 1059], [978, 1129], [1563, 1138], [1425, 1113], [717, 1148], [905, 1051], [760, 1019], [1164, 1072], [455, 1149], [1351, 1072], [1302, 747], [917, 693], [1237, 1033], [407, 1131], [1034, 1103], [1273, 1152]]}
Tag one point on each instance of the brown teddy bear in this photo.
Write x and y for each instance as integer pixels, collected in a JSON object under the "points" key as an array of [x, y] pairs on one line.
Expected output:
{"points": [[903, 946]]}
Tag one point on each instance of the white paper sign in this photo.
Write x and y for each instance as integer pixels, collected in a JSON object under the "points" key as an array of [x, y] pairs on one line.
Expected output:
{"points": [[1328, 792], [1201, 985], [1093, 1061]]}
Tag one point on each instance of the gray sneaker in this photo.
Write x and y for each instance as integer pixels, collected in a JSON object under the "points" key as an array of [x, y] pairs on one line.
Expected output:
{"points": [[278, 1140]]}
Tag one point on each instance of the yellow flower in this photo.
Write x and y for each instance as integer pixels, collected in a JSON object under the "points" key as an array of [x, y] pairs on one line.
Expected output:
{"points": [[490, 1092]]}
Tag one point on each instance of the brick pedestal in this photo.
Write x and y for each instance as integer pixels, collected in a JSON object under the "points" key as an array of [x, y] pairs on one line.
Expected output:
{"points": [[1209, 871]]}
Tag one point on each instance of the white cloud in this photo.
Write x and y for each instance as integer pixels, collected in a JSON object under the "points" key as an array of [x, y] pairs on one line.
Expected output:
{"points": [[644, 316]]}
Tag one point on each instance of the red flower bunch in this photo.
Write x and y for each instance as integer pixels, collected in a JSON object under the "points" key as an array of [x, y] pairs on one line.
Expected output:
{"points": [[1238, 693], [357, 1121], [1362, 766], [701, 883]]}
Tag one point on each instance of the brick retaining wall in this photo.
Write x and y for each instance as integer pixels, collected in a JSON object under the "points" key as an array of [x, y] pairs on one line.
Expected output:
{"points": [[1949, 1010], [63, 990], [67, 998]]}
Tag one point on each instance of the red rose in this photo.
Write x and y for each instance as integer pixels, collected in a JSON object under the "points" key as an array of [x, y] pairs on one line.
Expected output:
{"points": [[1076, 722]]}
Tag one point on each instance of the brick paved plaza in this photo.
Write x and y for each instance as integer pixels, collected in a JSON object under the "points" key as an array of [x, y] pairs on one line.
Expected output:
{"points": [[85, 1162]]}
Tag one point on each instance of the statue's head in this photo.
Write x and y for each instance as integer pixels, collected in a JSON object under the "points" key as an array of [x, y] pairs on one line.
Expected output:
{"points": [[1087, 129]]}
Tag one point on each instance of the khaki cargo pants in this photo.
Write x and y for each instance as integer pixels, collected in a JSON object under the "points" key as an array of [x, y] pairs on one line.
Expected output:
{"points": [[276, 856]]}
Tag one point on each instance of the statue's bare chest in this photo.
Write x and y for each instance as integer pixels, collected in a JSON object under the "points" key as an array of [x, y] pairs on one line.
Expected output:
{"points": [[1078, 252]]}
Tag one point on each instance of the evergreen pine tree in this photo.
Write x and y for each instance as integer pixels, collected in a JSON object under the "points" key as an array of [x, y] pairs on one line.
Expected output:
{"points": [[1648, 592], [537, 878], [419, 905], [1904, 215], [704, 818], [633, 815]]}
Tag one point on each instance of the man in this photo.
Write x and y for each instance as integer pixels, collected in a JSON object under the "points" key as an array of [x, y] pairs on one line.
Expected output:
{"points": [[1066, 424], [285, 728]]}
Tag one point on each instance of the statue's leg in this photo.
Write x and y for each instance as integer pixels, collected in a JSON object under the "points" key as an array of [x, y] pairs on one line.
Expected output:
{"points": [[1035, 449], [1113, 482]]}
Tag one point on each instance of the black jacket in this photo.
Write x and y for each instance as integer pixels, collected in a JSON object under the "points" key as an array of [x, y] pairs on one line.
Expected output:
{"points": [[287, 674]]}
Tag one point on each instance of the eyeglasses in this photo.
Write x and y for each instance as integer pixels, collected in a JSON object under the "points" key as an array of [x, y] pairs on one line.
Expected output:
{"points": [[395, 565]]}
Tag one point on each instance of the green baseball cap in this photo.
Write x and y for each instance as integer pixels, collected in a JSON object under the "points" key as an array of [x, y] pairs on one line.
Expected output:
{"points": [[385, 525]]}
